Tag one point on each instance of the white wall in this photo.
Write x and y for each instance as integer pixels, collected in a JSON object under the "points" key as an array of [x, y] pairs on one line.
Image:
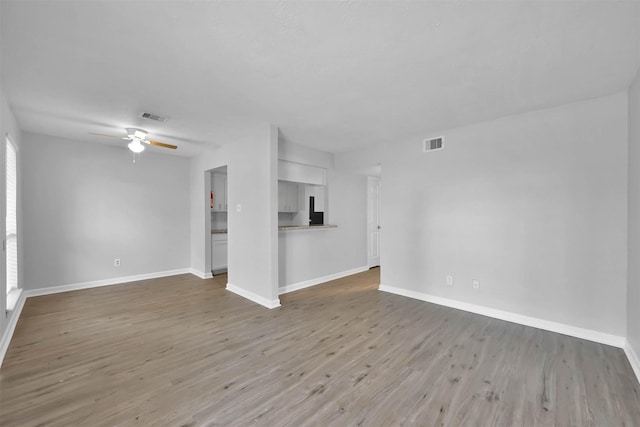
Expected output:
{"points": [[532, 205], [310, 254], [200, 213], [86, 204], [253, 237], [633, 291], [301, 154], [251, 182], [306, 255]]}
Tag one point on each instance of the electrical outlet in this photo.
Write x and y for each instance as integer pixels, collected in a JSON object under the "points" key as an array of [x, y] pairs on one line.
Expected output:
{"points": [[475, 283], [116, 262], [449, 280], [238, 207]]}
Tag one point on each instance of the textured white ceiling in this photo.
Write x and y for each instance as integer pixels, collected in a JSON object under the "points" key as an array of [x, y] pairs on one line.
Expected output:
{"points": [[332, 75]]}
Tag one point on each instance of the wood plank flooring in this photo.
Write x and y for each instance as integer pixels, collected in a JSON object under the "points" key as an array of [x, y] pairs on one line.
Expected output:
{"points": [[182, 351]]}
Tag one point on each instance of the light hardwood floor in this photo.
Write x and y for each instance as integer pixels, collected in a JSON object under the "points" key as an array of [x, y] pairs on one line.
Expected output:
{"points": [[182, 351]]}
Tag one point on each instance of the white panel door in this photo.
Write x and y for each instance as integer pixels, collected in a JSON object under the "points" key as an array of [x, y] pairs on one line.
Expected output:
{"points": [[373, 221]]}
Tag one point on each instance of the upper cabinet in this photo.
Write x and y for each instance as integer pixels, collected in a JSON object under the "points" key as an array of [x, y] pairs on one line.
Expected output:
{"points": [[297, 172], [288, 196], [219, 189]]}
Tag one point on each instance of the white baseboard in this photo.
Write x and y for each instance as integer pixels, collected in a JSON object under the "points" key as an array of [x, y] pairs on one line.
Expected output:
{"points": [[253, 297], [561, 328], [11, 326], [105, 282], [319, 280], [200, 274], [634, 360]]}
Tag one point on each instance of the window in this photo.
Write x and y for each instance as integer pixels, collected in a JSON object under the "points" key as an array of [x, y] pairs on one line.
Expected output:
{"points": [[11, 239]]}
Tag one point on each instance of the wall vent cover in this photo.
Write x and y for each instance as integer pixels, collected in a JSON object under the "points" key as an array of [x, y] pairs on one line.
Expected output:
{"points": [[432, 144], [151, 116]]}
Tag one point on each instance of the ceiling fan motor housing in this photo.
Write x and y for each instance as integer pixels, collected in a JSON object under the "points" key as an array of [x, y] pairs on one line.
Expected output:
{"points": [[136, 133]]}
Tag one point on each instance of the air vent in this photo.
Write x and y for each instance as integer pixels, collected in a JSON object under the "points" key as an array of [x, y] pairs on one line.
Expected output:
{"points": [[432, 144], [151, 116]]}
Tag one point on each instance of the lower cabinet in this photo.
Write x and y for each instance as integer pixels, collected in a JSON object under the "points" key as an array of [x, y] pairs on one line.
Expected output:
{"points": [[218, 251]]}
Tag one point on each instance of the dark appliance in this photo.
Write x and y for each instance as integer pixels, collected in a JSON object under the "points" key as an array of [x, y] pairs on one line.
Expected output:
{"points": [[315, 218]]}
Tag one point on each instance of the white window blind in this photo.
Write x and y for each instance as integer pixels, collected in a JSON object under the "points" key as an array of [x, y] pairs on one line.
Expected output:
{"points": [[11, 219]]}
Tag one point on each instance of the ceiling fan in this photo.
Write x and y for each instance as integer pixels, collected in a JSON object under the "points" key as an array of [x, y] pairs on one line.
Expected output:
{"points": [[137, 138]]}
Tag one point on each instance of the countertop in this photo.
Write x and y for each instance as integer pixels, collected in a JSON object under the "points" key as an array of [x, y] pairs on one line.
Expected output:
{"points": [[284, 228], [305, 227]]}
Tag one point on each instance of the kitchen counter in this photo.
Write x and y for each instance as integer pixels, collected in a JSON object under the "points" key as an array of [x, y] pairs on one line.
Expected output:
{"points": [[284, 228], [305, 227]]}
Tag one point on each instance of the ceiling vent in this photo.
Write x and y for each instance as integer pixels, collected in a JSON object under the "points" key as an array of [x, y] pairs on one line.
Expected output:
{"points": [[151, 116], [432, 144]]}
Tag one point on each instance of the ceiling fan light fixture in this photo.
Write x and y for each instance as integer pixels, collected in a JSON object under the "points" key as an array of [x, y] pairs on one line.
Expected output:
{"points": [[136, 146]]}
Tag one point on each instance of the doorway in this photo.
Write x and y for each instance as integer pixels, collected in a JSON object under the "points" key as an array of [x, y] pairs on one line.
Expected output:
{"points": [[373, 221], [219, 232]]}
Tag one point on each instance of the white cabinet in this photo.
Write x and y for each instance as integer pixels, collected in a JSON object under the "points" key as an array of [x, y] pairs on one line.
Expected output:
{"points": [[287, 196], [296, 172], [219, 189], [218, 251]]}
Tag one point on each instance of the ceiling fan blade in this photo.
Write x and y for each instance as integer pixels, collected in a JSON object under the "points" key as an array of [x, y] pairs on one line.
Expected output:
{"points": [[161, 144], [104, 134]]}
